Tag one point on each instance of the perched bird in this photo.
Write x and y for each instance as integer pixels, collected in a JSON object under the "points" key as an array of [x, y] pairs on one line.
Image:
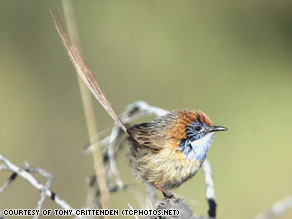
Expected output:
{"points": [[171, 149], [165, 152]]}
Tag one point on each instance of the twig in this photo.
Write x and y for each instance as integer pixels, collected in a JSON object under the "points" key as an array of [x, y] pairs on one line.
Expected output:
{"points": [[89, 148], [178, 205], [49, 178], [210, 194], [141, 109], [276, 209], [131, 207], [40, 187], [137, 194], [10, 179], [113, 138], [152, 198]]}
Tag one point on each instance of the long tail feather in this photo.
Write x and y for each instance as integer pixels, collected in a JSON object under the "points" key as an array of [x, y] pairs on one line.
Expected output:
{"points": [[84, 70]]}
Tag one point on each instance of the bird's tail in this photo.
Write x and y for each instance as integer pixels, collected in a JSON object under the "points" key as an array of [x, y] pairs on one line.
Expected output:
{"points": [[84, 71]]}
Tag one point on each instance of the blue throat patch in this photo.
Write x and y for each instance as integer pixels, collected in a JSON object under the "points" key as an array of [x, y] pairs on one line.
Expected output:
{"points": [[197, 143], [197, 149]]}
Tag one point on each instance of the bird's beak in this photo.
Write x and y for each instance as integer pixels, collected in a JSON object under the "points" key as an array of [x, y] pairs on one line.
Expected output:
{"points": [[217, 129]]}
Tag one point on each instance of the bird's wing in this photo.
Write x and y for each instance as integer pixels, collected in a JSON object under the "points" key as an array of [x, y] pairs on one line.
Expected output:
{"points": [[145, 136]]}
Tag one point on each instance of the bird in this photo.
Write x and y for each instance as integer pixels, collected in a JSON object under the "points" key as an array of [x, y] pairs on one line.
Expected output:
{"points": [[164, 152], [169, 150]]}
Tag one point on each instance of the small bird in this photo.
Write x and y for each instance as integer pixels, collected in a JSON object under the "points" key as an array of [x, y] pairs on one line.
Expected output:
{"points": [[165, 152], [169, 150]]}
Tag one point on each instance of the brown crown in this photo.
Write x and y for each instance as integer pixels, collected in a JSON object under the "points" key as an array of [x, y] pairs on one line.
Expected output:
{"points": [[185, 118]]}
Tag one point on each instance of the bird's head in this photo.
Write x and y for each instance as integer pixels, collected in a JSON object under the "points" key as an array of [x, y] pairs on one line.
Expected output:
{"points": [[196, 133]]}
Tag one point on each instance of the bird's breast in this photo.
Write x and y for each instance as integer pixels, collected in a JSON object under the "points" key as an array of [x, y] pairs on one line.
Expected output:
{"points": [[169, 168]]}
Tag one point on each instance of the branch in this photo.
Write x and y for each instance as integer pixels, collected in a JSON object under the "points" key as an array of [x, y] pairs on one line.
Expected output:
{"points": [[49, 178], [276, 209], [29, 178], [176, 204], [210, 194]]}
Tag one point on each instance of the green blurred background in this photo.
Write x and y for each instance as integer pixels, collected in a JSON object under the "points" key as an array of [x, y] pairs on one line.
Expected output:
{"points": [[230, 60]]}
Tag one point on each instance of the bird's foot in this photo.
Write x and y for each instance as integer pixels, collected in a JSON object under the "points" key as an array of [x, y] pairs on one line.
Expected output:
{"points": [[165, 193], [168, 195]]}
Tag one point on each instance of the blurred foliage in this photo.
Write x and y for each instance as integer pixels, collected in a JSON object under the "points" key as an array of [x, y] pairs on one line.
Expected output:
{"points": [[229, 59]]}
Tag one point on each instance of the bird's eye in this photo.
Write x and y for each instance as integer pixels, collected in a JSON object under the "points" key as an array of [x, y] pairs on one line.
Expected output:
{"points": [[198, 128]]}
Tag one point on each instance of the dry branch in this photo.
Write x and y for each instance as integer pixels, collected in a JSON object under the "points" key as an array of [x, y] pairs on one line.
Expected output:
{"points": [[276, 209], [24, 173]]}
